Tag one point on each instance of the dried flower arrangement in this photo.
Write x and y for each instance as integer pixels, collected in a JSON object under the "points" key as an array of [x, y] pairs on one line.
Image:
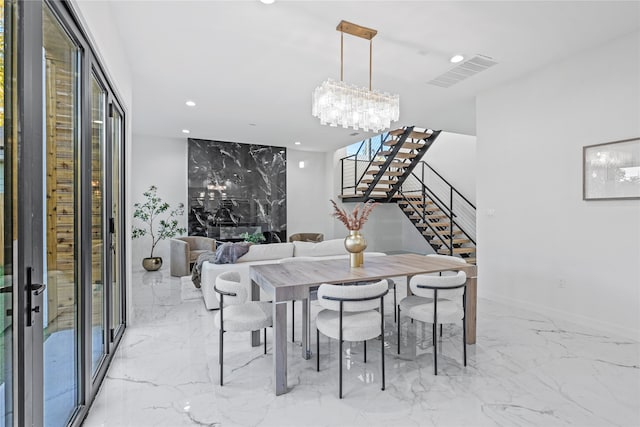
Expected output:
{"points": [[356, 219]]}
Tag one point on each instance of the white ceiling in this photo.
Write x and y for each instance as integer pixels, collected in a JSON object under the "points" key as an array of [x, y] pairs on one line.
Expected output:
{"points": [[251, 67]]}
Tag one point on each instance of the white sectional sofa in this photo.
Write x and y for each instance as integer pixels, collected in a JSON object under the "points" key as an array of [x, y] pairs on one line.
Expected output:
{"points": [[268, 254]]}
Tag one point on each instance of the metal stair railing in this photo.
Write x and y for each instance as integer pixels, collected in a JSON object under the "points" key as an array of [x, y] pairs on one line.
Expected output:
{"points": [[457, 204], [354, 167], [425, 195]]}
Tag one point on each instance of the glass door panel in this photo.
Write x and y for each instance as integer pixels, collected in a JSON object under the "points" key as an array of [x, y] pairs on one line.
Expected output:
{"points": [[8, 171], [61, 107], [98, 337], [117, 300]]}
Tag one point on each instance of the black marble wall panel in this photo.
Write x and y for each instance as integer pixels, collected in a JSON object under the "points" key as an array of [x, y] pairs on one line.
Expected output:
{"points": [[236, 188]]}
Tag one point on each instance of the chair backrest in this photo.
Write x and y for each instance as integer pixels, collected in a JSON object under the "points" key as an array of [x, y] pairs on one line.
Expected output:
{"points": [[352, 292], [438, 282], [449, 258], [229, 281], [307, 237]]}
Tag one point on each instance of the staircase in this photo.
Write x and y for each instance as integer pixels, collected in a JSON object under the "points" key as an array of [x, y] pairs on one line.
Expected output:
{"points": [[389, 169], [385, 162]]}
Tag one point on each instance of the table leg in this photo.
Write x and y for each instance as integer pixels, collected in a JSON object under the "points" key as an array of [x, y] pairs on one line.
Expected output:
{"points": [[306, 330], [471, 302], [280, 347], [255, 296]]}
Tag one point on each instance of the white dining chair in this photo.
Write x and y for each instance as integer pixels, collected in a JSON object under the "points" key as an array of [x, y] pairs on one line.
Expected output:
{"points": [[437, 300], [236, 314], [349, 314]]}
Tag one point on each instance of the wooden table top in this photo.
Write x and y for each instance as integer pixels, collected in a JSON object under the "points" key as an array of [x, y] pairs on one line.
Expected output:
{"points": [[292, 280]]}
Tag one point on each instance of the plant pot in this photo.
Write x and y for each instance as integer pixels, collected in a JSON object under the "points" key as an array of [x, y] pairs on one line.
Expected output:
{"points": [[152, 264]]}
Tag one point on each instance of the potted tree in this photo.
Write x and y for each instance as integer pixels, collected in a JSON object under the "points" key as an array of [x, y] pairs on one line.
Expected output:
{"points": [[158, 228]]}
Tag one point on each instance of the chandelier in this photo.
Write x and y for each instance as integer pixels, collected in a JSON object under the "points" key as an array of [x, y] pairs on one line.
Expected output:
{"points": [[339, 103]]}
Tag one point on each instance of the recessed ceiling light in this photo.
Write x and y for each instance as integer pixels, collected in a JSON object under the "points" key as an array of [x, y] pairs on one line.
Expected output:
{"points": [[456, 58], [267, 1], [190, 104], [186, 131], [297, 142]]}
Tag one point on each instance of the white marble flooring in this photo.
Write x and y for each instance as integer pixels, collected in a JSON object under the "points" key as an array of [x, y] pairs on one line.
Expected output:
{"points": [[525, 370]]}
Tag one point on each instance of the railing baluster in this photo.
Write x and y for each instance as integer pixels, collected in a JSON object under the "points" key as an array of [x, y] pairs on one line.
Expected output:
{"points": [[342, 177], [450, 220]]}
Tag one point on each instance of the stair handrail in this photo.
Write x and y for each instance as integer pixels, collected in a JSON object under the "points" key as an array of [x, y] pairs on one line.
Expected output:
{"points": [[448, 183], [371, 156], [449, 209], [441, 205]]}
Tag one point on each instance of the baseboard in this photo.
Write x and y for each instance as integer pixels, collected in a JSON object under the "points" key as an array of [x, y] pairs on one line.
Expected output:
{"points": [[606, 327]]}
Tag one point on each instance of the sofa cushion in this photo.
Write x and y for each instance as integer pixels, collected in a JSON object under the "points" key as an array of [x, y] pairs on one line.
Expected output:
{"points": [[326, 248], [267, 252]]}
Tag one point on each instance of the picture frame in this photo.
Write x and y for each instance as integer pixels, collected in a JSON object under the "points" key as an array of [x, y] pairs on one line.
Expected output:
{"points": [[611, 170]]}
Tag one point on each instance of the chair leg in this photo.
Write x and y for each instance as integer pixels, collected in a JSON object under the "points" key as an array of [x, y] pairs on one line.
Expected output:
{"points": [[395, 304], [365, 351], [340, 349], [265, 340], [440, 330], [464, 326], [293, 321], [435, 340], [398, 329], [221, 352], [382, 339], [464, 340], [317, 350]]}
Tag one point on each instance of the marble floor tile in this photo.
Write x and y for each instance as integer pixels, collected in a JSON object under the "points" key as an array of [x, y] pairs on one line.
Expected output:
{"points": [[525, 370]]}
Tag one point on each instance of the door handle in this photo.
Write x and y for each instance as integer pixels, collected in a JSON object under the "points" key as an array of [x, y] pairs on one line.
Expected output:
{"points": [[38, 289], [32, 289]]}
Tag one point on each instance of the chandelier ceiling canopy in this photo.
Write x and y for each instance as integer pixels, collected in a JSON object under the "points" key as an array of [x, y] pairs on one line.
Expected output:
{"points": [[337, 103]]}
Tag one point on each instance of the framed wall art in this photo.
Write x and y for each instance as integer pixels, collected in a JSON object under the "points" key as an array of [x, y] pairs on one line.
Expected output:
{"points": [[611, 170]]}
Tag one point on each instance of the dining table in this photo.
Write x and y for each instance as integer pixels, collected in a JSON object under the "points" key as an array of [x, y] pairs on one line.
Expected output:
{"points": [[285, 282]]}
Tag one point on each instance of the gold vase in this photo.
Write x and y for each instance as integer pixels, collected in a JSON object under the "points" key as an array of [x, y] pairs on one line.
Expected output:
{"points": [[355, 244]]}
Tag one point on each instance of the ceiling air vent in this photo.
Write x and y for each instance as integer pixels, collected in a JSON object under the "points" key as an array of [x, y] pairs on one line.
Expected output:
{"points": [[463, 71]]}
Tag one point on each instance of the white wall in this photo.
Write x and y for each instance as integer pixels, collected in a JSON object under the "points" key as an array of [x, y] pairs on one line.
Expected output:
{"points": [[530, 138], [161, 162], [453, 155], [307, 202]]}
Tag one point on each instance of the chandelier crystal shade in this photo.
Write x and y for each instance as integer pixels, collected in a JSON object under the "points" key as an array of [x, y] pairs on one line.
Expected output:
{"points": [[337, 103], [342, 104]]}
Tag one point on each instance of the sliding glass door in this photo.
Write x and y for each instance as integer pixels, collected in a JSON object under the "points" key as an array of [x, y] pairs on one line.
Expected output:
{"points": [[8, 218], [115, 157], [62, 160], [98, 137], [62, 291]]}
